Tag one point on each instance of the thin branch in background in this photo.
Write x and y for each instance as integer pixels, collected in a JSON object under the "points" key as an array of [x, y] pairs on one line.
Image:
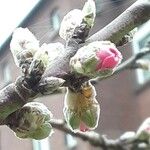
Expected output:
{"points": [[124, 23], [98, 140], [93, 138]]}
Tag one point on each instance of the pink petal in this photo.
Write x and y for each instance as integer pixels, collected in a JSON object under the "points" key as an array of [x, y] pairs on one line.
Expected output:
{"points": [[110, 62], [109, 58], [83, 127], [116, 52], [102, 54], [148, 129]]}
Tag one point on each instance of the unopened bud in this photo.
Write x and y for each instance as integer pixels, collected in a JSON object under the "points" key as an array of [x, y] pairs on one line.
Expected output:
{"points": [[50, 84], [33, 121], [143, 132], [53, 50], [89, 12], [23, 45], [82, 110], [99, 58], [75, 18], [69, 23], [45, 57]]}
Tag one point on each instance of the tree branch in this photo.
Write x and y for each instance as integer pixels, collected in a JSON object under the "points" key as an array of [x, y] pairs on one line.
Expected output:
{"points": [[17, 94], [135, 15], [98, 140], [131, 62]]}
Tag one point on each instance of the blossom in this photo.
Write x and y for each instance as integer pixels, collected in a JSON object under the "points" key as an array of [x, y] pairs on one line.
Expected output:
{"points": [[75, 17], [69, 23], [53, 50], [82, 110], [33, 121], [23, 44], [45, 56], [98, 58], [89, 12]]}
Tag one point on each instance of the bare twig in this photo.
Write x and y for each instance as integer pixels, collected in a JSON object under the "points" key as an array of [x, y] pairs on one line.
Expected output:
{"points": [[17, 94], [134, 16], [98, 140]]}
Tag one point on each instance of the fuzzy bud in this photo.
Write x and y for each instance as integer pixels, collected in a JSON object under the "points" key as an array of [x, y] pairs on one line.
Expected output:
{"points": [[98, 58], [53, 50], [89, 12], [44, 57], [33, 121], [23, 45], [77, 17], [69, 23], [49, 84], [81, 109], [143, 132]]}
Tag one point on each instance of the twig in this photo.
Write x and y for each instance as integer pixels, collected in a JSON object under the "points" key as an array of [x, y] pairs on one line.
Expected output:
{"points": [[93, 138], [98, 140], [135, 15]]}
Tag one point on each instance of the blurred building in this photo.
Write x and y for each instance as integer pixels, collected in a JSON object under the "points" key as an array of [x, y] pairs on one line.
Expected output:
{"points": [[122, 107]]}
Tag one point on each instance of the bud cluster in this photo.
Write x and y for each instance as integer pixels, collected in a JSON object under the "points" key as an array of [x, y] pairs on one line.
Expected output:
{"points": [[29, 55], [75, 18], [23, 45], [81, 109], [33, 121], [98, 58]]}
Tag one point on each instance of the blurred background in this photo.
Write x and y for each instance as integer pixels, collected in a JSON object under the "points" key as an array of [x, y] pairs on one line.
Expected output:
{"points": [[124, 98]]}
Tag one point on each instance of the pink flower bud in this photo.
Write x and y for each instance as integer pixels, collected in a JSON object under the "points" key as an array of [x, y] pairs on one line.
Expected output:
{"points": [[83, 127], [99, 58], [109, 58]]}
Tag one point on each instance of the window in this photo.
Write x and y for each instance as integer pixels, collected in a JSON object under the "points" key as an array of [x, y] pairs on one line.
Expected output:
{"points": [[98, 6], [70, 142], [55, 19], [7, 78], [41, 144], [117, 1], [140, 40]]}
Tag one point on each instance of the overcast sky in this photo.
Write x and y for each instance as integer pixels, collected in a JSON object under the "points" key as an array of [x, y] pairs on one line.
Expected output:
{"points": [[12, 13]]}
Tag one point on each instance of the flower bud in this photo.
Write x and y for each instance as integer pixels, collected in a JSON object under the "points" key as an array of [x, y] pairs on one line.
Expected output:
{"points": [[69, 23], [143, 132], [89, 12], [99, 58], [49, 84], [23, 45], [81, 109], [44, 57], [33, 121], [75, 18], [90, 117], [54, 50]]}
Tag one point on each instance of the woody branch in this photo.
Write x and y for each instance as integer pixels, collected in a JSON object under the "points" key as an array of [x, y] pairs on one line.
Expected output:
{"points": [[15, 95]]}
